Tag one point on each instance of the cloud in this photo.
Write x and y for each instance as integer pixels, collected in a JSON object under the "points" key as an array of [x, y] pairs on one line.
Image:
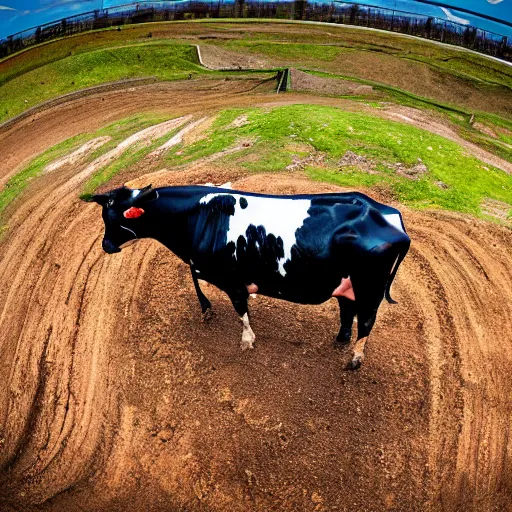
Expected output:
{"points": [[5, 8], [494, 2], [454, 18]]}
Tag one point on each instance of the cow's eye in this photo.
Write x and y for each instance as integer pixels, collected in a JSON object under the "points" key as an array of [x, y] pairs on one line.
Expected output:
{"points": [[110, 202]]}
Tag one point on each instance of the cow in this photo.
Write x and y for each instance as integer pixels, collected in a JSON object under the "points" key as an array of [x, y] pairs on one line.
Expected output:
{"points": [[300, 248]]}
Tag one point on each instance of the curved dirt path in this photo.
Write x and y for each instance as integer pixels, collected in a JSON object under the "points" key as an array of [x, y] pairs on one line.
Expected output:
{"points": [[429, 122], [47, 127], [116, 396]]}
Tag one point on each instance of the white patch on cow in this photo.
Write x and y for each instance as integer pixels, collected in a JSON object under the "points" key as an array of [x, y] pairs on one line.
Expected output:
{"points": [[394, 220], [208, 197], [280, 217], [248, 336], [135, 193]]}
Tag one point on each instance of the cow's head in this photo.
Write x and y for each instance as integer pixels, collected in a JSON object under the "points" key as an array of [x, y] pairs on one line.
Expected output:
{"points": [[123, 214]]}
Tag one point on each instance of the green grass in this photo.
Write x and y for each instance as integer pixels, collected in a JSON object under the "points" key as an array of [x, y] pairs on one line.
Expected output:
{"points": [[67, 65], [458, 116], [131, 156], [331, 132], [17, 183], [280, 133], [164, 61], [502, 127], [119, 131], [399, 96], [218, 139], [468, 67], [288, 51], [461, 65]]}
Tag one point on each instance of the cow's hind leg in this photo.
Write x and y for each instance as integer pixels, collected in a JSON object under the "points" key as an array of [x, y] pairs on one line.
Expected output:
{"points": [[369, 287], [239, 299], [347, 313], [369, 291], [206, 305], [366, 315]]}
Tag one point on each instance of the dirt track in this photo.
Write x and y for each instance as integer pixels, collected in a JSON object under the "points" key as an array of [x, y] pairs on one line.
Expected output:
{"points": [[115, 395]]}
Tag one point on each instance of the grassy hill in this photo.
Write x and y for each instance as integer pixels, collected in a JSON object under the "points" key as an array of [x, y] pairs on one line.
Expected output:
{"points": [[470, 94]]}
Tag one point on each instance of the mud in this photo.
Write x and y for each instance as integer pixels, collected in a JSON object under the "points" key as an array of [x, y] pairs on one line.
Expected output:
{"points": [[116, 395]]}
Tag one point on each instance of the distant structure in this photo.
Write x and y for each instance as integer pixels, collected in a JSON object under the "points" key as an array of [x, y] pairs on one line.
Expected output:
{"points": [[367, 15]]}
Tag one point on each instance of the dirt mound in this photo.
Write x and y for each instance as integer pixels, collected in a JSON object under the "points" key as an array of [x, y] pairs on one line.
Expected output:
{"points": [[301, 81], [428, 122], [116, 396], [216, 57]]}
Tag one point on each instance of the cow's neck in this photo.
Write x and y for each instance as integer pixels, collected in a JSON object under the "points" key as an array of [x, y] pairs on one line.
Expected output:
{"points": [[168, 220]]}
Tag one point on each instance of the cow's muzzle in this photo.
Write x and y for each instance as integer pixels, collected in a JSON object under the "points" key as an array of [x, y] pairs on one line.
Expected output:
{"points": [[109, 247]]}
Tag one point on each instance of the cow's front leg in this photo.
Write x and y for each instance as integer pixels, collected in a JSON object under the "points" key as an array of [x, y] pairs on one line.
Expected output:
{"points": [[206, 306], [239, 299]]}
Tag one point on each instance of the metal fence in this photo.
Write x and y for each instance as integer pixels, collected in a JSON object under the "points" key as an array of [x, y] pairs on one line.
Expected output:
{"points": [[368, 15]]}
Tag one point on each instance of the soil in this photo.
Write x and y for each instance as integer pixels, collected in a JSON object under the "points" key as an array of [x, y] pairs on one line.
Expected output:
{"points": [[301, 81], [117, 396], [362, 61], [82, 152], [216, 57]]}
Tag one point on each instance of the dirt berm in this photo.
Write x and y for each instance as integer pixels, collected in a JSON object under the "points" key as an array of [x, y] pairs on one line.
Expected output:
{"points": [[115, 396]]}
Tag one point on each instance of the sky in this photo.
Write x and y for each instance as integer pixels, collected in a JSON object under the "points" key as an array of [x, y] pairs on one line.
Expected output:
{"points": [[17, 15]]}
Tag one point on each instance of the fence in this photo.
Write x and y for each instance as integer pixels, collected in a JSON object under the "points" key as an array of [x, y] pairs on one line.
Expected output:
{"points": [[429, 27]]}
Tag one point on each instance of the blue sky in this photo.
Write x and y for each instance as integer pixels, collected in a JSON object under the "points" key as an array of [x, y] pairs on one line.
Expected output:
{"points": [[17, 15]]}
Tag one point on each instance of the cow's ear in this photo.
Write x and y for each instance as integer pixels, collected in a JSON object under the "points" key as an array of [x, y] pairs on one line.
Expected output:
{"points": [[145, 194], [101, 199]]}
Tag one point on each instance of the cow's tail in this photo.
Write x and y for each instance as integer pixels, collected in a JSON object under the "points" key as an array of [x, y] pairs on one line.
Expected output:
{"points": [[403, 247]]}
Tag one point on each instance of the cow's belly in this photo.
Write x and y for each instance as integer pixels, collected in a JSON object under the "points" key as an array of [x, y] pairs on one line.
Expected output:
{"points": [[304, 286], [299, 295]]}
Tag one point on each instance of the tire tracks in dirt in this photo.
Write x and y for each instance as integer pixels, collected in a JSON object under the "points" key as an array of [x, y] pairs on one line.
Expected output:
{"points": [[117, 397]]}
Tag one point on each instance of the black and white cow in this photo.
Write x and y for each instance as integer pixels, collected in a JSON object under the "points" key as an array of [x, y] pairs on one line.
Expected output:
{"points": [[300, 248]]}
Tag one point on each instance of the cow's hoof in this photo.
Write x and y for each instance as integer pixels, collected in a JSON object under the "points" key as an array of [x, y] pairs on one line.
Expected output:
{"points": [[207, 315], [355, 362], [246, 344]]}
